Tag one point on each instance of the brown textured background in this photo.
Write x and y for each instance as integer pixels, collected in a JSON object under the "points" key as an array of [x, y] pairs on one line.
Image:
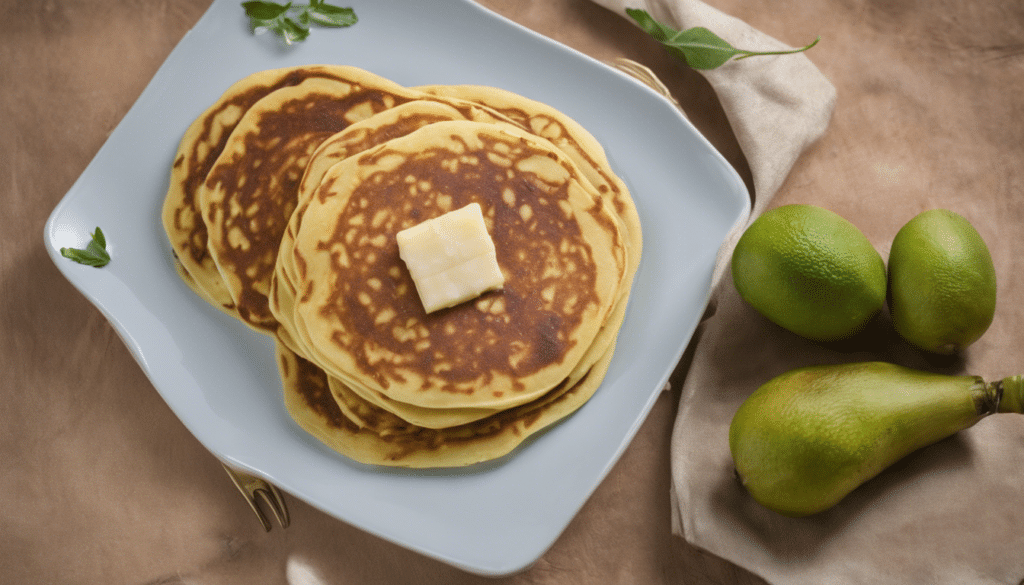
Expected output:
{"points": [[100, 483]]}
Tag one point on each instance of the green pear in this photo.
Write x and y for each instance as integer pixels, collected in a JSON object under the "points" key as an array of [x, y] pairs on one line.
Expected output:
{"points": [[807, 438]]}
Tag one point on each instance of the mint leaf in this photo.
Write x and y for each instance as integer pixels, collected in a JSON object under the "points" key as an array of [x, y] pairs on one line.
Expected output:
{"points": [[291, 21], [265, 11], [94, 254], [293, 31], [698, 46], [701, 48], [333, 16]]}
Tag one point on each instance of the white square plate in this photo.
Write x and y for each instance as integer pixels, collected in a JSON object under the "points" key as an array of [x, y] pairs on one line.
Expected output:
{"points": [[220, 378]]}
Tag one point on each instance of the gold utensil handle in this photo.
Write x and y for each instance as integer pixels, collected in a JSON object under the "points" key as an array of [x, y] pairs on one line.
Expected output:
{"points": [[250, 486]]}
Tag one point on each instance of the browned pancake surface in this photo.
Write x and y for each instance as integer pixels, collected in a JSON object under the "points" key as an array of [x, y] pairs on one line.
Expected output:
{"points": [[557, 285], [200, 147], [251, 191]]}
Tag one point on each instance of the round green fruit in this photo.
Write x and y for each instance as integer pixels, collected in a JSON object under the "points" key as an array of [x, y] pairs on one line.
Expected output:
{"points": [[810, 271], [942, 282]]}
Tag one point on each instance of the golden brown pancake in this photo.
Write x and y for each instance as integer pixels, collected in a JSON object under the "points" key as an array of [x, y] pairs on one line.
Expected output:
{"points": [[579, 145], [357, 314], [200, 146], [252, 189], [380, 438], [575, 141], [389, 124], [392, 123]]}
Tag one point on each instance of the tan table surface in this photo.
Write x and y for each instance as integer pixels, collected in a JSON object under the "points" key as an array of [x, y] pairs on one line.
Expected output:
{"points": [[100, 483]]}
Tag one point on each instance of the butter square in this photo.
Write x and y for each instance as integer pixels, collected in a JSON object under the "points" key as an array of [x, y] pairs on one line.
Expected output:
{"points": [[451, 258]]}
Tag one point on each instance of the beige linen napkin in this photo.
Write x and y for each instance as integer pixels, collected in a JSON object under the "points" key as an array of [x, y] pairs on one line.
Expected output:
{"points": [[931, 518]]}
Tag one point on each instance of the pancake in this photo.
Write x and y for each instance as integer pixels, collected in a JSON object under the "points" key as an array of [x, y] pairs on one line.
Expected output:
{"points": [[252, 188], [588, 154], [391, 442], [389, 124], [357, 314], [392, 123], [199, 148]]}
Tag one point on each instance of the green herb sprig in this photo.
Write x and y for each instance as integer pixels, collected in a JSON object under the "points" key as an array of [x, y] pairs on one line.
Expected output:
{"points": [[698, 46], [291, 21], [94, 254]]}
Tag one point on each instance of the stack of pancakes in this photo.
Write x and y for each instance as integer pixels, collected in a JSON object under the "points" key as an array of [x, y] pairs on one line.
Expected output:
{"points": [[284, 202]]}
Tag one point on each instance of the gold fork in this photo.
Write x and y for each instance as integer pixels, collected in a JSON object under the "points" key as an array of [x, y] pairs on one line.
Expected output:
{"points": [[250, 486]]}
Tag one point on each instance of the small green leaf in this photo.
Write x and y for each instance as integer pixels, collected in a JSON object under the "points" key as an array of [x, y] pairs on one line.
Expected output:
{"points": [[333, 16], [698, 46], [702, 48], [293, 31], [94, 254], [659, 31], [291, 21], [264, 11], [99, 239]]}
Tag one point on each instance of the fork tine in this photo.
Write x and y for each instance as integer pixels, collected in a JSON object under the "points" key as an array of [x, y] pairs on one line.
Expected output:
{"points": [[250, 486], [275, 500]]}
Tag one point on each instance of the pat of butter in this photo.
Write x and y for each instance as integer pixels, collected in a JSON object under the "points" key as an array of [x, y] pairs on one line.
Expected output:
{"points": [[451, 258]]}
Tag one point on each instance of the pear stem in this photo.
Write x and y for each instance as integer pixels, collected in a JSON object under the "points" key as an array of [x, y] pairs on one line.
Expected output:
{"points": [[1010, 394]]}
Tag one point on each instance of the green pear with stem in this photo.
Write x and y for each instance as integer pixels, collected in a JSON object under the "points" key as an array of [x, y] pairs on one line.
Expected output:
{"points": [[807, 438]]}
